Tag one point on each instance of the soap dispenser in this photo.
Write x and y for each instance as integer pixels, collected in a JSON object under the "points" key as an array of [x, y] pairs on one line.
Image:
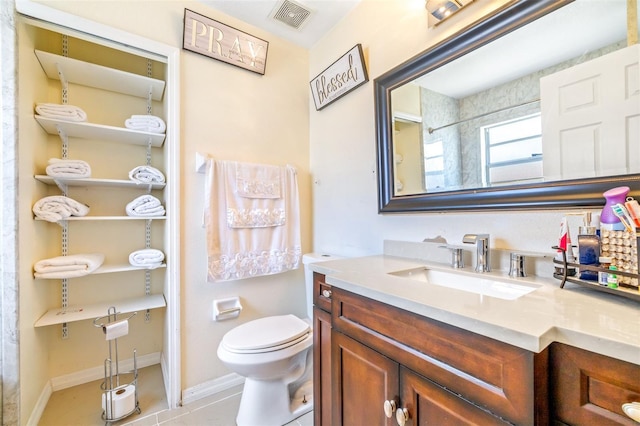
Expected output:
{"points": [[588, 248]]}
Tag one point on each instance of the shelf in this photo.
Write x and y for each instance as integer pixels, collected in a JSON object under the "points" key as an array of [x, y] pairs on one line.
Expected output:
{"points": [[85, 312], [108, 269], [88, 218], [92, 75], [619, 291], [99, 132], [630, 292], [90, 182]]}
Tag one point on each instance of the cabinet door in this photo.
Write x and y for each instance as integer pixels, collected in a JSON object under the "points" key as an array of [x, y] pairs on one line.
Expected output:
{"points": [[589, 389], [429, 404], [363, 380], [321, 367]]}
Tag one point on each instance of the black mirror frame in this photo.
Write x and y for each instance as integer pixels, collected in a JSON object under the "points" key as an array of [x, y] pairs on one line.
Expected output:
{"points": [[579, 193]]}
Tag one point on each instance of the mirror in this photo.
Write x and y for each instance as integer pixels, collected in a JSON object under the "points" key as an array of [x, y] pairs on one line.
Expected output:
{"points": [[463, 127]]}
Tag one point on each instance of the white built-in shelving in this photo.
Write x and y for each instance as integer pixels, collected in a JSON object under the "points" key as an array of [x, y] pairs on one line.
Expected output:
{"points": [[68, 70], [89, 218], [99, 132], [111, 269], [90, 311], [90, 182], [71, 70]]}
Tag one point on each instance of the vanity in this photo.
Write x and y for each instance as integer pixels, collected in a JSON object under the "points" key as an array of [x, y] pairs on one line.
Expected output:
{"points": [[391, 349]]}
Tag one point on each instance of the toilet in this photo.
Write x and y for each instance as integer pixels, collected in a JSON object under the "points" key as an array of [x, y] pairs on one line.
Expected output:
{"points": [[275, 356]]}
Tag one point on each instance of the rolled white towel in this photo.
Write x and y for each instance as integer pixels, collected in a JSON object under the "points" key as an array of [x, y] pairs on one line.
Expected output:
{"points": [[146, 174], [61, 112], [148, 258], [145, 205], [58, 207], [68, 168], [146, 123], [75, 265]]}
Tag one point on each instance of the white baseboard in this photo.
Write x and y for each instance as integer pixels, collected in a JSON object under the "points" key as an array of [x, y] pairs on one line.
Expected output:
{"points": [[96, 373], [41, 404], [211, 387]]}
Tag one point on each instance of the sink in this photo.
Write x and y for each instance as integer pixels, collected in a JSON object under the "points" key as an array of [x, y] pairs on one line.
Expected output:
{"points": [[471, 282]]}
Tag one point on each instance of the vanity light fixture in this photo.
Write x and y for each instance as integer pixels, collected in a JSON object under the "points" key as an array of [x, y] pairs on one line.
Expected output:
{"points": [[442, 9]]}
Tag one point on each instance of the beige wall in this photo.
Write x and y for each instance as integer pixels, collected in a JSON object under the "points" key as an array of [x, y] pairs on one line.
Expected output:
{"points": [[231, 114], [343, 144]]}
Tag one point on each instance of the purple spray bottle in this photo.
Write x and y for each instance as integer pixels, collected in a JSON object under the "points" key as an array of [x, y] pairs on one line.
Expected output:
{"points": [[608, 220]]}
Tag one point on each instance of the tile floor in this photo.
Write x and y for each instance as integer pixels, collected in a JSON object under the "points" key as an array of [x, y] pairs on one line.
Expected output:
{"points": [[80, 406]]}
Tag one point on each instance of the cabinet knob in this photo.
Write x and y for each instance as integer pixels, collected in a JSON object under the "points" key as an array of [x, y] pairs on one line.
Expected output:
{"points": [[402, 415], [389, 408], [326, 293], [632, 409]]}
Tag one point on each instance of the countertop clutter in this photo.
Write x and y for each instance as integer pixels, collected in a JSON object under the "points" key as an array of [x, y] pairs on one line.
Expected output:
{"points": [[605, 324]]}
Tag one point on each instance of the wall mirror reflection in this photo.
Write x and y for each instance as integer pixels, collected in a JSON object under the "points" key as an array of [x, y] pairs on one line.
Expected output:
{"points": [[555, 100]]}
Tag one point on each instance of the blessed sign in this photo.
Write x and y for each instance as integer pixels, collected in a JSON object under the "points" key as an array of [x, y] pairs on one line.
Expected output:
{"points": [[340, 78], [224, 43]]}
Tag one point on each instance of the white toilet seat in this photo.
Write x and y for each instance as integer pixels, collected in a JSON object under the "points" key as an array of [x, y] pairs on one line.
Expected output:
{"points": [[266, 335]]}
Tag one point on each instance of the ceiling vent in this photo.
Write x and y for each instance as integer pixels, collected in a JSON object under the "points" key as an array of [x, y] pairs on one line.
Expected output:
{"points": [[291, 13]]}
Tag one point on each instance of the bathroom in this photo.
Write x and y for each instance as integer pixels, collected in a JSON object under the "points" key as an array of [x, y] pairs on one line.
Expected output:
{"points": [[270, 119]]}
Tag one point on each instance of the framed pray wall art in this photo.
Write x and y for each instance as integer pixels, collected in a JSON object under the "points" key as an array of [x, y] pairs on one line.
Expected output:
{"points": [[224, 43], [341, 77]]}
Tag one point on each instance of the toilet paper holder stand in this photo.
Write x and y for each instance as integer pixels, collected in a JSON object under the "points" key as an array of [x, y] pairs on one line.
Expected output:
{"points": [[112, 389]]}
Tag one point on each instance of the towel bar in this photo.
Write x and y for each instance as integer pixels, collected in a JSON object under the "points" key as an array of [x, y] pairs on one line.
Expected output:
{"points": [[201, 162]]}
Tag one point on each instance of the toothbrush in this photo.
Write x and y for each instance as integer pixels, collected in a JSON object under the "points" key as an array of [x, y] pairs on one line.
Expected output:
{"points": [[621, 213], [634, 210]]}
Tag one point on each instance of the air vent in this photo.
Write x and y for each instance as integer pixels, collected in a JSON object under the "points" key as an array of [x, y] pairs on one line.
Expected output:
{"points": [[291, 13]]}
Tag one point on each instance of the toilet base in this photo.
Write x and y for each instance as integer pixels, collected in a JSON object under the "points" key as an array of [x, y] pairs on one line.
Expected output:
{"points": [[280, 408]]}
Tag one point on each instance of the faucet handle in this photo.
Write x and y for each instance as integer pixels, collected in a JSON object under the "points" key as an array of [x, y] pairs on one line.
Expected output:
{"points": [[517, 265], [457, 257]]}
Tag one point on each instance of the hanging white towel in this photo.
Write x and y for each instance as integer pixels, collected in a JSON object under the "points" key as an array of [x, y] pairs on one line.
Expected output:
{"points": [[253, 195], [146, 174], [145, 205], [146, 123], [248, 236], [76, 265], [257, 180], [147, 258], [58, 207], [69, 169], [61, 112]]}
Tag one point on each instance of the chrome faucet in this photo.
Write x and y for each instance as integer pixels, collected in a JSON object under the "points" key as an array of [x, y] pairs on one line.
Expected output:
{"points": [[483, 257]]}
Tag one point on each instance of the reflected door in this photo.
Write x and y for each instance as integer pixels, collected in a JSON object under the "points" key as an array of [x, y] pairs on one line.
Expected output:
{"points": [[591, 118]]}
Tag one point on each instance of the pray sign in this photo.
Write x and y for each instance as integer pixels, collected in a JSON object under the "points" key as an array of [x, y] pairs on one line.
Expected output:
{"points": [[224, 43]]}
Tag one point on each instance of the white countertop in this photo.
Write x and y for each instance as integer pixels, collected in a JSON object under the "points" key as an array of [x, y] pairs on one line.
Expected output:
{"points": [[577, 316]]}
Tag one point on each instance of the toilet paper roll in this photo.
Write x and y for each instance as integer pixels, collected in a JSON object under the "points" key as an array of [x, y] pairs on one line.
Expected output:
{"points": [[116, 329], [119, 402]]}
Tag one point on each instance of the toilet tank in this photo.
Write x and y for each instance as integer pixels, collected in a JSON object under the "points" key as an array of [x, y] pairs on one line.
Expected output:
{"points": [[308, 275]]}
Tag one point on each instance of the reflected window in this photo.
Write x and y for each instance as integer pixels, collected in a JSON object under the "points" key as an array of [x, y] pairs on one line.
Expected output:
{"points": [[512, 151], [433, 165]]}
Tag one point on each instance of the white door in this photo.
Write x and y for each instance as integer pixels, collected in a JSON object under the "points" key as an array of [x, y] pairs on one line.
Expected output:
{"points": [[591, 117]]}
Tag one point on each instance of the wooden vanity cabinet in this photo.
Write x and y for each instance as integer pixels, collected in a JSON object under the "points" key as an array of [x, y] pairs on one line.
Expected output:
{"points": [[363, 376], [321, 351], [438, 373], [589, 389], [367, 353], [363, 380]]}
